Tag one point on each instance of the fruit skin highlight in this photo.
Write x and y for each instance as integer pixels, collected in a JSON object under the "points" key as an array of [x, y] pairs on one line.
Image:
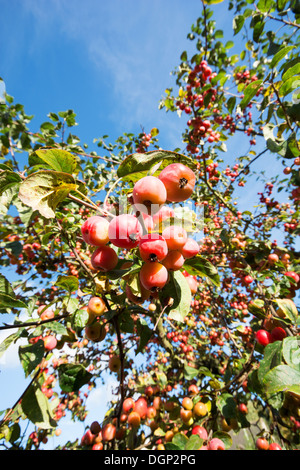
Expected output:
{"points": [[153, 276], [149, 194], [153, 247], [95, 231], [104, 258], [125, 231], [179, 181]]}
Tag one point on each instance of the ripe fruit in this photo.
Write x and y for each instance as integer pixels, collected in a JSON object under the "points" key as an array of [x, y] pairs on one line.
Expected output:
{"points": [[274, 446], [248, 279], [95, 332], [104, 258], [193, 283], [125, 231], [179, 181], [186, 415], [263, 337], [278, 334], [153, 276], [173, 261], [134, 419], [164, 213], [95, 427], [50, 342], [262, 444], [153, 247], [243, 408], [108, 432], [175, 237], [45, 313], [273, 258], [149, 193], [190, 248], [96, 306], [128, 404], [200, 431], [114, 363], [187, 403], [95, 231], [141, 407], [215, 444], [293, 275], [200, 409]]}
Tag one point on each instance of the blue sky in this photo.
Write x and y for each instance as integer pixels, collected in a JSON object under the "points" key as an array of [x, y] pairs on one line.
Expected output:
{"points": [[108, 61]]}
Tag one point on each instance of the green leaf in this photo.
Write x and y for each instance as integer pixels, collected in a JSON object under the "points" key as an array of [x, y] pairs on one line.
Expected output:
{"points": [[31, 356], [8, 341], [58, 159], [199, 266], [137, 165], [7, 180], [180, 440], [225, 437], [80, 318], [227, 406], [44, 190], [144, 333], [36, 407], [280, 55], [249, 92], [289, 85], [272, 358], [238, 23], [7, 295], [72, 377], [68, 283], [194, 443], [291, 351], [282, 378], [177, 289]]}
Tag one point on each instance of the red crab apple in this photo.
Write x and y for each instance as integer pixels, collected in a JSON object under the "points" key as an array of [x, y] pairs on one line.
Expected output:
{"points": [[45, 313], [149, 194], [173, 261], [193, 283], [153, 247], [153, 276], [179, 181], [128, 404], [200, 431], [293, 275], [104, 258], [274, 446], [216, 444], [262, 444], [141, 407], [278, 333], [95, 231], [263, 337], [125, 231], [164, 213], [134, 419], [108, 432], [190, 248], [50, 342], [175, 237]]}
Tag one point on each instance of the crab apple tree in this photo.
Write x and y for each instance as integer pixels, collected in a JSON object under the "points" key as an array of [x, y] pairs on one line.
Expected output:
{"points": [[167, 280]]}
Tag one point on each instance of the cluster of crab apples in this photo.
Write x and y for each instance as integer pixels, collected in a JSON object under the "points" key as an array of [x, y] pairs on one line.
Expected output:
{"points": [[148, 228]]}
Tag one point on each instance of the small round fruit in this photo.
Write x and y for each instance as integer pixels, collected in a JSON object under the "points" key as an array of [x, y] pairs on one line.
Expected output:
{"points": [[128, 404], [141, 407], [187, 403], [95, 427], [104, 258], [278, 334], [164, 213], [96, 306], [134, 419], [175, 237], [95, 231], [263, 337], [274, 446], [200, 431], [153, 247], [193, 283], [200, 409], [186, 415], [262, 444], [149, 194], [50, 342], [95, 332], [108, 432], [125, 231], [190, 248], [153, 276], [216, 444], [173, 261], [114, 363], [179, 181]]}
